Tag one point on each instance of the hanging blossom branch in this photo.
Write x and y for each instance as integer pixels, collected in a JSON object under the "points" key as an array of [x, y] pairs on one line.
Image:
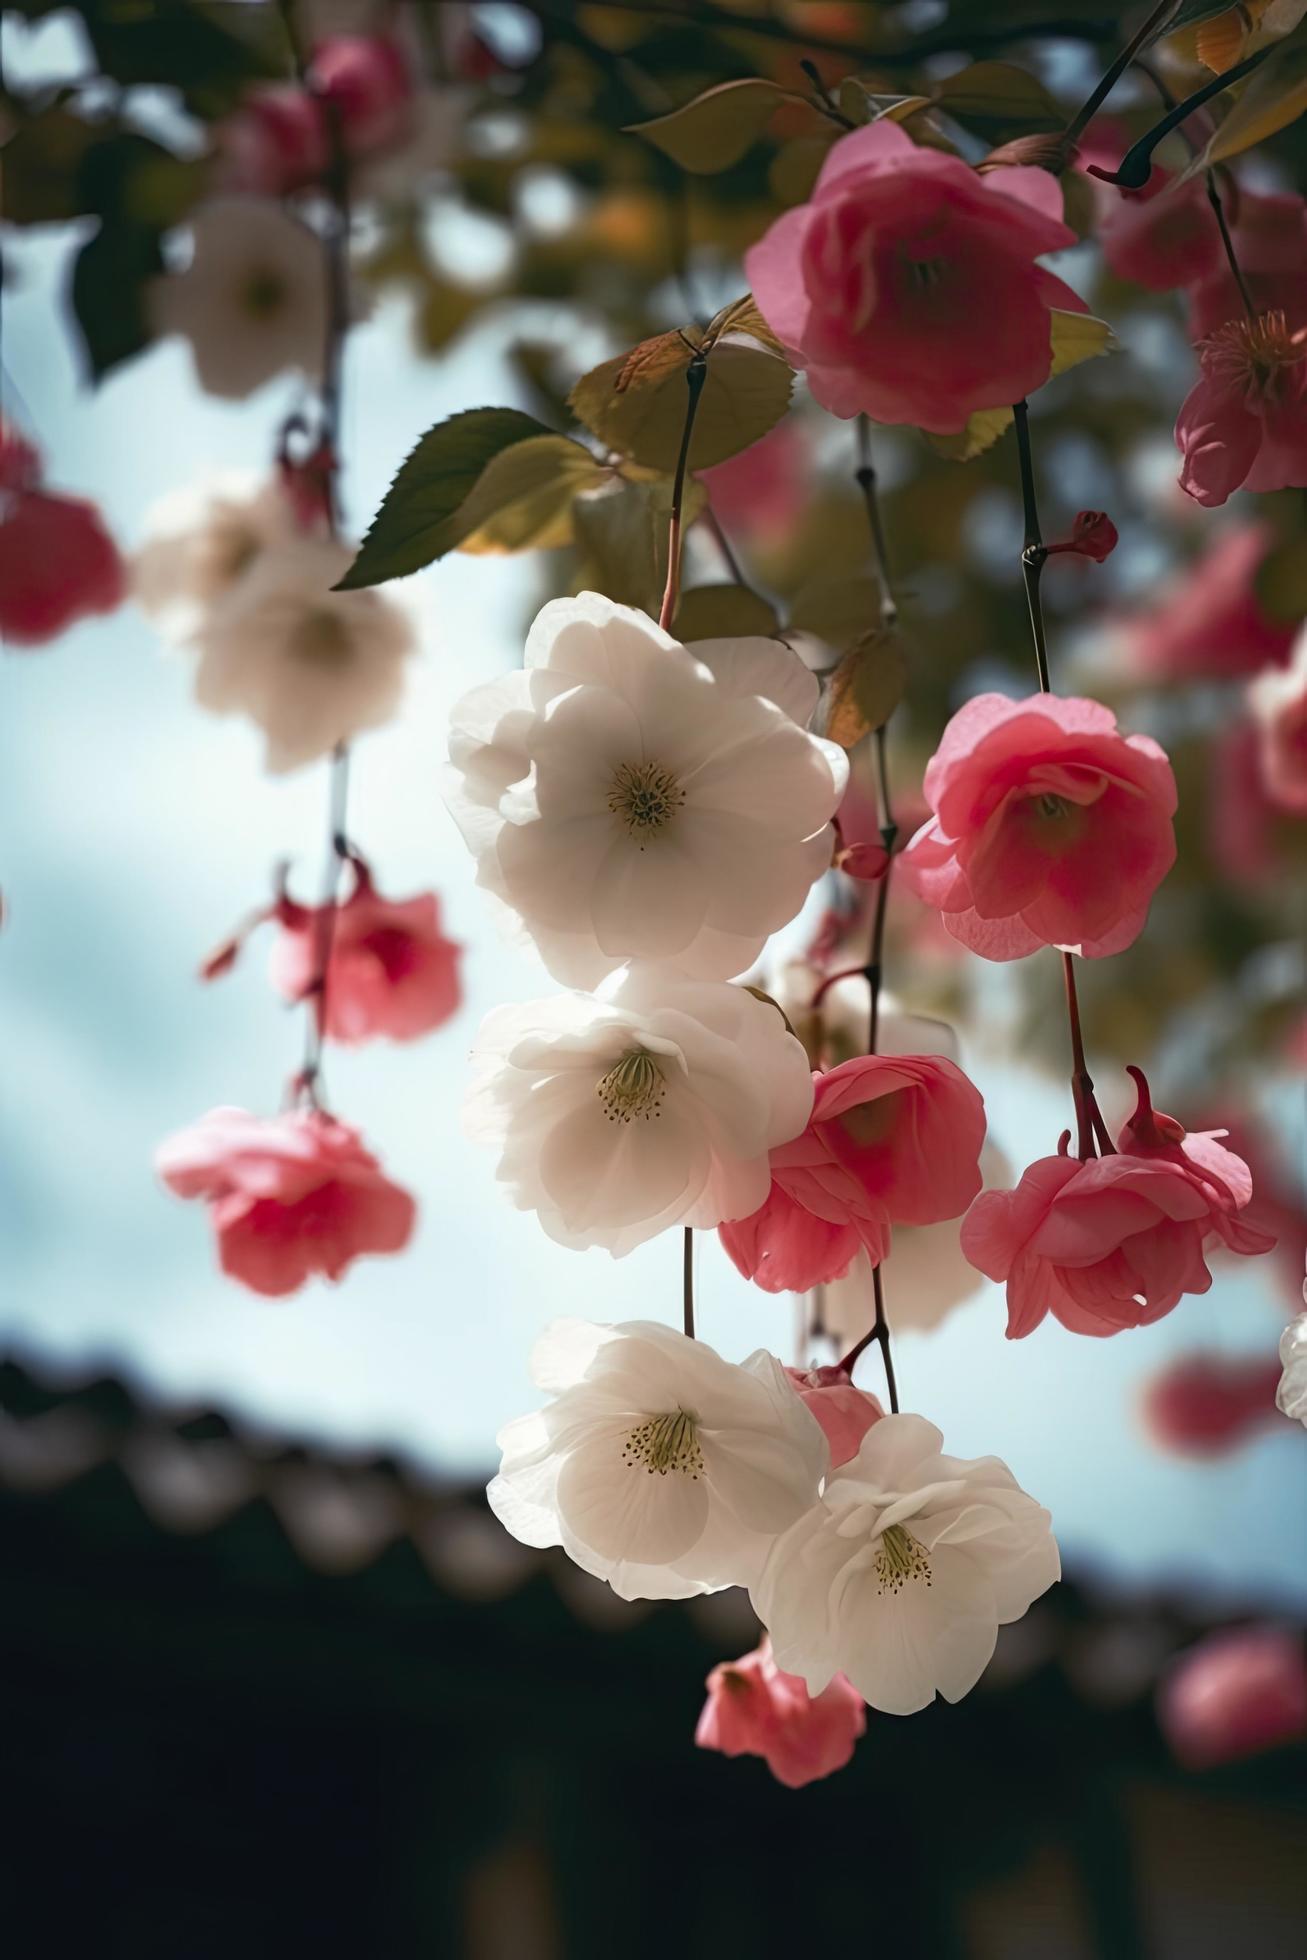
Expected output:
{"points": [[1214, 197]]}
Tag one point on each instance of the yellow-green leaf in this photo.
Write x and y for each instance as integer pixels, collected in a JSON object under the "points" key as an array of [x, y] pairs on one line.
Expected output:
{"points": [[995, 96], [743, 316], [866, 687], [636, 403], [1274, 96], [523, 498], [721, 612], [621, 534], [718, 127]]}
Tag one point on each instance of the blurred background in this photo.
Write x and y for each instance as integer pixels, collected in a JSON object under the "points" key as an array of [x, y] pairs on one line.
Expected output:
{"points": [[275, 1676]]}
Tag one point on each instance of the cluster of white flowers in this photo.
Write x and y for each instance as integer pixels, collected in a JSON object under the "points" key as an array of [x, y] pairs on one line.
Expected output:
{"points": [[647, 814], [233, 575]]}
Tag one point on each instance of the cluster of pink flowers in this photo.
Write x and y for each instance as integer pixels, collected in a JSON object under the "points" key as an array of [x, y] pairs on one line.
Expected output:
{"points": [[280, 139]]}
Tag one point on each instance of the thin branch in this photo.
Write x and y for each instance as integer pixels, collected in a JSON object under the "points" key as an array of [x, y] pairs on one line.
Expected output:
{"points": [[1151, 28], [695, 376], [1136, 166], [1214, 197], [687, 1283]]}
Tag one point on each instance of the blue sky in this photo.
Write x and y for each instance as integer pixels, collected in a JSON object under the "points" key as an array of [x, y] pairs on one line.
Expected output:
{"points": [[134, 830]]}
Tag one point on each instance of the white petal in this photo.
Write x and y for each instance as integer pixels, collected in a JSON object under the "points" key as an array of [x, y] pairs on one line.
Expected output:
{"points": [[623, 1511]]}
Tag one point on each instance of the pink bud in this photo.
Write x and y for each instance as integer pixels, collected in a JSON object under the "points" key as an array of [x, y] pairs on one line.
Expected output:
{"points": [[367, 80], [1208, 1404], [845, 1413], [1093, 535], [867, 862]]}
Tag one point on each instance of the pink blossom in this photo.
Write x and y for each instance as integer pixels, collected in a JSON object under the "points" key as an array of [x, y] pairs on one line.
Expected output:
{"points": [[367, 80], [288, 1196], [392, 971], [1278, 699], [1162, 236], [893, 1139], [1093, 535], [280, 139], [755, 1709], [1209, 622], [762, 491], [1244, 422], [1236, 1693], [275, 143], [1240, 819], [58, 564], [845, 1413], [1116, 1241], [1270, 241], [1208, 1404], [1051, 828], [908, 285]]}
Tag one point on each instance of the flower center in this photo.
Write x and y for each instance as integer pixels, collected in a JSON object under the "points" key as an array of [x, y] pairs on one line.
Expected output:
{"points": [[264, 293], [322, 638], [665, 1443], [1254, 354], [632, 1087], [926, 274], [899, 1559], [645, 797]]}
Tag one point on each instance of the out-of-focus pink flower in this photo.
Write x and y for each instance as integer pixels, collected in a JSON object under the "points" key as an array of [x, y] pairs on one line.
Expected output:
{"points": [[1278, 699], [893, 1139], [289, 1196], [58, 564], [1209, 623], [280, 139], [392, 971], [1244, 422], [908, 286], [866, 862], [845, 1413], [762, 491], [1270, 242], [275, 143], [367, 80], [1093, 535], [754, 1709], [1162, 236], [1240, 819], [1235, 1694], [1051, 828], [1116, 1241], [1208, 1404]]}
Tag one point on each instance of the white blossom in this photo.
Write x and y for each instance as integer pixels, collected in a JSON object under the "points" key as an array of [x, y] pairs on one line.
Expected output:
{"points": [[1291, 1395], [653, 1102], [310, 666], [200, 541], [658, 1466], [253, 300], [902, 1574], [629, 798]]}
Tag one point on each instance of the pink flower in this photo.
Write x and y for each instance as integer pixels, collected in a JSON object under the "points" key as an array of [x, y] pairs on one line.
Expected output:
{"points": [[1278, 699], [279, 141], [367, 80], [58, 564], [845, 1413], [1236, 1693], [392, 971], [762, 491], [275, 143], [288, 1196], [1116, 1241], [908, 285], [893, 1139], [1270, 241], [1244, 422], [754, 1709], [1209, 622], [1051, 828], [1208, 1404], [1159, 237]]}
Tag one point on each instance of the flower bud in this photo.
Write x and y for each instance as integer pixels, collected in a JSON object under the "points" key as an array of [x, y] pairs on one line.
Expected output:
{"points": [[1045, 152]]}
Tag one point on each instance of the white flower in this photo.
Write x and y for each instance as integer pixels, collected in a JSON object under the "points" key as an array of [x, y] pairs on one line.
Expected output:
{"points": [[253, 300], [902, 1575], [658, 1466], [651, 1103], [200, 541], [1291, 1395], [311, 666], [629, 798]]}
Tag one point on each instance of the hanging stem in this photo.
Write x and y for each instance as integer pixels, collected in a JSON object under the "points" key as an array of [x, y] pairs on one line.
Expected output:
{"points": [[878, 1332], [687, 1282], [1033, 555], [1213, 194], [338, 852], [1136, 166], [695, 376], [1153, 26]]}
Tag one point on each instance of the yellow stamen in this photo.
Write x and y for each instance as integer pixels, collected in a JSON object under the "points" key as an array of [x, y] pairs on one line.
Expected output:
{"points": [[645, 797], [664, 1443], [899, 1559], [632, 1087]]}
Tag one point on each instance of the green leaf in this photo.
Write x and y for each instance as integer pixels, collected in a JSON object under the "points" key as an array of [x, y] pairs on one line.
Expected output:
{"points": [[523, 497], [866, 687], [1281, 581], [1076, 337], [128, 176], [622, 533], [1191, 13], [837, 610], [995, 97], [636, 403], [412, 526], [721, 612], [718, 127], [743, 316], [863, 104], [110, 276], [41, 161], [1273, 97]]}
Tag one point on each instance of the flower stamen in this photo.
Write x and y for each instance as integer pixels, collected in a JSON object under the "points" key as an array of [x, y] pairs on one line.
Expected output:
{"points": [[1253, 354], [669, 1442], [645, 797], [900, 1558], [632, 1087]]}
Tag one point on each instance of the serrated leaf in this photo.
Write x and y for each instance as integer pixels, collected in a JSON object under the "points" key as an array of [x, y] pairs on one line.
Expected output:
{"points": [[723, 612], [866, 687], [1281, 581], [636, 403], [996, 96], [839, 611], [1075, 337], [718, 127], [743, 316], [1273, 97], [523, 497], [412, 527], [622, 535]]}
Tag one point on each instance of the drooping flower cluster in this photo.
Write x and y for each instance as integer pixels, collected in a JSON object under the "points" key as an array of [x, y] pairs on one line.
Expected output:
{"points": [[58, 564]]}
